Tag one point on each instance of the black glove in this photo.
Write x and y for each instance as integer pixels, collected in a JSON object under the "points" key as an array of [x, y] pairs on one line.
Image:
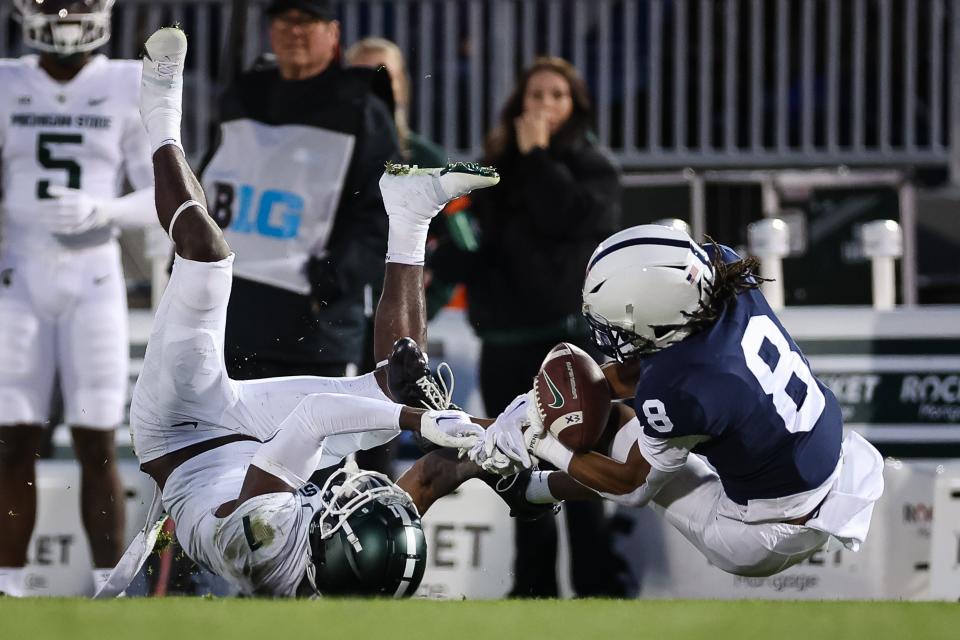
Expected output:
{"points": [[326, 285]]}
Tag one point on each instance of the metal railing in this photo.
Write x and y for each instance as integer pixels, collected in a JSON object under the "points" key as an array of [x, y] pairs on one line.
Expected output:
{"points": [[676, 83]]}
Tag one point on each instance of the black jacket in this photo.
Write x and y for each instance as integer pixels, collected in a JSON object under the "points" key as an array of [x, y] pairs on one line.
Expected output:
{"points": [[538, 228], [278, 325]]}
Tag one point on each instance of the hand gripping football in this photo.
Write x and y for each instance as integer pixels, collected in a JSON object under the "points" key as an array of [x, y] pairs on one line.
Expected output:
{"points": [[572, 397]]}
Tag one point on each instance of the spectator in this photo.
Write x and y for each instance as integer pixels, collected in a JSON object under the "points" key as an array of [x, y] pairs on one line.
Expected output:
{"points": [[414, 149], [293, 183], [558, 198]]}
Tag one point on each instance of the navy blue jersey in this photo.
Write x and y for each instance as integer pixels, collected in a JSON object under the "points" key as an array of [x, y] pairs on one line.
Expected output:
{"points": [[774, 430]]}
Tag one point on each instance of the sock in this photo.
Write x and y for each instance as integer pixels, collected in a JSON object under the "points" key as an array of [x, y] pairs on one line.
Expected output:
{"points": [[538, 491], [100, 577], [11, 581], [163, 128], [407, 239]]}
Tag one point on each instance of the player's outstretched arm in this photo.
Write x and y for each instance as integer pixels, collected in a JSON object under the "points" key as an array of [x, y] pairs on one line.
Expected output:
{"points": [[286, 460], [435, 475]]}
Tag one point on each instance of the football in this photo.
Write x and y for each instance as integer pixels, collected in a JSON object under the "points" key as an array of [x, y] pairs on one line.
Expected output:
{"points": [[572, 397]]}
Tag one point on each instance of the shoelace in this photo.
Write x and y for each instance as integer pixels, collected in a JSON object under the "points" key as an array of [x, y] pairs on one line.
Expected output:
{"points": [[512, 479], [167, 68], [438, 393]]}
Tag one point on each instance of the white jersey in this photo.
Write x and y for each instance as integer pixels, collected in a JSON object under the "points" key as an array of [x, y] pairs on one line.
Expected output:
{"points": [[84, 134], [263, 546]]}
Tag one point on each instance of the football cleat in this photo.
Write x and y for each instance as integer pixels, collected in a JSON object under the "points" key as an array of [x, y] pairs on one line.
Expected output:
{"points": [[513, 491], [412, 383], [420, 194]]}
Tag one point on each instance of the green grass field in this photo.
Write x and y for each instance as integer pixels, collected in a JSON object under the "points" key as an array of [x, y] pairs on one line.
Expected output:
{"points": [[209, 619]]}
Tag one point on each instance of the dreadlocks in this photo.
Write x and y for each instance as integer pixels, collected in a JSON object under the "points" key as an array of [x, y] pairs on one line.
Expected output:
{"points": [[729, 280]]}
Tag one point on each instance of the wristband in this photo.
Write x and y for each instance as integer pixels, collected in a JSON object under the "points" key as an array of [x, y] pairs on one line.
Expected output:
{"points": [[538, 491], [549, 448]]}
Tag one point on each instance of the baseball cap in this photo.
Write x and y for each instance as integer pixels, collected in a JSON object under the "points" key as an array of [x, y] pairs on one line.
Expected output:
{"points": [[322, 9]]}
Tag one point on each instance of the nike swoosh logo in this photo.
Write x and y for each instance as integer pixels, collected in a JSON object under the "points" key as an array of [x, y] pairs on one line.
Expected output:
{"points": [[95, 102], [189, 423], [557, 397], [100, 280]]}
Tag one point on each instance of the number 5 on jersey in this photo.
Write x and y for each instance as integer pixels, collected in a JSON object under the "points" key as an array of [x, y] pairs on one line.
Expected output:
{"points": [[46, 159]]}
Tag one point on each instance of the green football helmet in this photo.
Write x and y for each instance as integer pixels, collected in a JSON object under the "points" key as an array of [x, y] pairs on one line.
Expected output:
{"points": [[366, 539]]}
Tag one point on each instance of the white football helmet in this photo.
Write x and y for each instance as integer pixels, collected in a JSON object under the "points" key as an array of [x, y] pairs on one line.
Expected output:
{"points": [[640, 284], [64, 27]]}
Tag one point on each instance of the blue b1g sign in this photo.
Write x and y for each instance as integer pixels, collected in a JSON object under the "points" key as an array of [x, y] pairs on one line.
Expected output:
{"points": [[272, 213]]}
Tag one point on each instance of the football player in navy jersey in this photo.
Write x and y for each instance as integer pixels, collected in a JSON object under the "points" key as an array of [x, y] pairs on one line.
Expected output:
{"points": [[730, 436]]}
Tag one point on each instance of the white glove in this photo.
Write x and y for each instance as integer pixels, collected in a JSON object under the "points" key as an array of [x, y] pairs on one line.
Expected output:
{"points": [[503, 449], [72, 211], [450, 428]]}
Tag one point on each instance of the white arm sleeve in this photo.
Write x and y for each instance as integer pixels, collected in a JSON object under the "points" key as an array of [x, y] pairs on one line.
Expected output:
{"points": [[136, 209], [294, 452], [137, 158]]}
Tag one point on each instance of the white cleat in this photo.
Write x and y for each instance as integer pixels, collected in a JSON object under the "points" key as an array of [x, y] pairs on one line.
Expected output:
{"points": [[161, 83], [421, 193]]}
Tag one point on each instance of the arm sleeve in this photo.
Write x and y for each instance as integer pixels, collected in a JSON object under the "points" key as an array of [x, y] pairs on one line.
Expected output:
{"points": [[136, 154], [136, 209], [294, 452], [668, 454], [560, 201]]}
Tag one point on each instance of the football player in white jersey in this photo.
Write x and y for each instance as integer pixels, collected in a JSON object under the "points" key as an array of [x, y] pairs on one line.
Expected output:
{"points": [[233, 458], [69, 135]]}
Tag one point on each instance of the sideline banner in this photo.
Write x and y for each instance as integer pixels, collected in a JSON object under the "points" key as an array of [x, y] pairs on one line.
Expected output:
{"points": [[893, 563], [58, 558], [945, 542]]}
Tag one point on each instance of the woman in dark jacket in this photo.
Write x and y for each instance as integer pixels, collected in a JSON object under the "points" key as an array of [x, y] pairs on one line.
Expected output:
{"points": [[557, 199]]}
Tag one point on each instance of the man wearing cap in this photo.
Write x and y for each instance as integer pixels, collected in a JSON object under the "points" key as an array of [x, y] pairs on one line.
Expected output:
{"points": [[293, 184]]}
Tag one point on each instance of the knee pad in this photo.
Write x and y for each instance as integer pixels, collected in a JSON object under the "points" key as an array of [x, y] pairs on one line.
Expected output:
{"points": [[202, 286]]}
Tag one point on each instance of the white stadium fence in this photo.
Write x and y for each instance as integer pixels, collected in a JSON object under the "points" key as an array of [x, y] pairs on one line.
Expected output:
{"points": [[677, 83]]}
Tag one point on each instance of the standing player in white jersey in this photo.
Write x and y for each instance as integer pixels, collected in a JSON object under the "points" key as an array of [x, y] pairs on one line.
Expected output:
{"points": [[69, 135], [233, 458]]}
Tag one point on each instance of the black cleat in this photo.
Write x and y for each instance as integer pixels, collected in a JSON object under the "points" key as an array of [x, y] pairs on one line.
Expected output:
{"points": [[513, 491], [412, 383]]}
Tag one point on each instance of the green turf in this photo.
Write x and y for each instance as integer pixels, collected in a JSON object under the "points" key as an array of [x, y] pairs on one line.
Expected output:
{"points": [[209, 619]]}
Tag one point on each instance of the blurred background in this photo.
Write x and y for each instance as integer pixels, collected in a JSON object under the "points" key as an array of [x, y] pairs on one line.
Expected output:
{"points": [[779, 127]]}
